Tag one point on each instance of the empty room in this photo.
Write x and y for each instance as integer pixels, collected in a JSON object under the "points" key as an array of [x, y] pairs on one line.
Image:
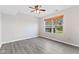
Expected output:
{"points": [[39, 29]]}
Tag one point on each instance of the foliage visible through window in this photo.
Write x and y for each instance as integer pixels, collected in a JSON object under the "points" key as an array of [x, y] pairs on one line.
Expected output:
{"points": [[54, 24]]}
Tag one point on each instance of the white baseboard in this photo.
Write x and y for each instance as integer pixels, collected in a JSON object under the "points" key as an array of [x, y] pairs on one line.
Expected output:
{"points": [[61, 41], [18, 40]]}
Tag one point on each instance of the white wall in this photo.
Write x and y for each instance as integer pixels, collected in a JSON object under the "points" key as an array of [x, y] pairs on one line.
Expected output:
{"points": [[18, 27], [71, 27], [0, 29]]}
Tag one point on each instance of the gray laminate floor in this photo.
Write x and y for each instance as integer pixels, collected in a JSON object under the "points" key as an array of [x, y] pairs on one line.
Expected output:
{"points": [[38, 46]]}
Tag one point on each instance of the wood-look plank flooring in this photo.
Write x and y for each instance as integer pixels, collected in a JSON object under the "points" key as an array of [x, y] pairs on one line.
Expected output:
{"points": [[37, 46]]}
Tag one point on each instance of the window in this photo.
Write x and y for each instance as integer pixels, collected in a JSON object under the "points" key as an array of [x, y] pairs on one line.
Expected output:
{"points": [[48, 25], [54, 24]]}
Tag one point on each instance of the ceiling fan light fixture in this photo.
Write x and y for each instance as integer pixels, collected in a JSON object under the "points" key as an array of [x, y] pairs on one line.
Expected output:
{"points": [[37, 9]]}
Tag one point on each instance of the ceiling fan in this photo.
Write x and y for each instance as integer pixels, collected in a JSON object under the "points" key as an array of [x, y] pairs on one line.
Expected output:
{"points": [[37, 9]]}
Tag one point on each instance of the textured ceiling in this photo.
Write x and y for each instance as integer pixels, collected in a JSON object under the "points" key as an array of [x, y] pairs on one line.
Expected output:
{"points": [[14, 9]]}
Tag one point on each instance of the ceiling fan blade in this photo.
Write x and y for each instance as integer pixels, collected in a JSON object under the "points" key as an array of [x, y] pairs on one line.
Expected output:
{"points": [[42, 10], [32, 10]]}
